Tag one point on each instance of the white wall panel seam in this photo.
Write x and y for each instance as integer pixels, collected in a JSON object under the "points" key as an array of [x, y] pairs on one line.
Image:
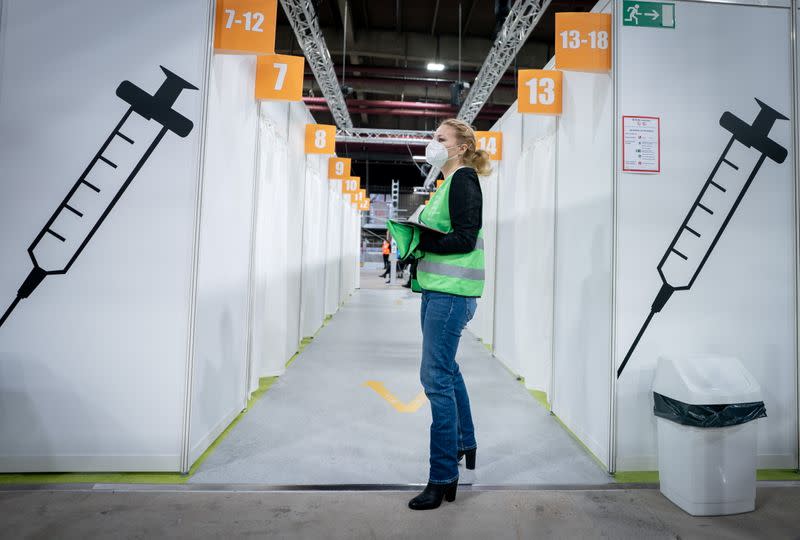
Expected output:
{"points": [[552, 384], [499, 127], [796, 149], [301, 311], [251, 286], [612, 417], [189, 378], [3, 23]]}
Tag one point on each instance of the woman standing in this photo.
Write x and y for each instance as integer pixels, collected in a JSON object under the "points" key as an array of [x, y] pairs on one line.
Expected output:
{"points": [[450, 272]]}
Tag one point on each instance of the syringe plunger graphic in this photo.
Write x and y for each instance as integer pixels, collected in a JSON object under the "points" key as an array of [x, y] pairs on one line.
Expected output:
{"points": [[88, 203], [714, 207]]}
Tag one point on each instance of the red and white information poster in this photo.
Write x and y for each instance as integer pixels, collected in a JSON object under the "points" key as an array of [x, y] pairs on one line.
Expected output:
{"points": [[641, 144]]}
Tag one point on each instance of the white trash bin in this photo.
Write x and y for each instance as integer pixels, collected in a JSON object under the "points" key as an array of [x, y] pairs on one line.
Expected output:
{"points": [[706, 469]]}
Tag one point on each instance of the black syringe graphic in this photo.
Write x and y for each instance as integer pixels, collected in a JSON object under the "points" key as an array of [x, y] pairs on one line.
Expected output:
{"points": [[714, 207], [88, 203]]}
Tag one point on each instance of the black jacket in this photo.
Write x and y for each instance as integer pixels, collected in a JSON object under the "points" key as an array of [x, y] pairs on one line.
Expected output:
{"points": [[466, 216]]}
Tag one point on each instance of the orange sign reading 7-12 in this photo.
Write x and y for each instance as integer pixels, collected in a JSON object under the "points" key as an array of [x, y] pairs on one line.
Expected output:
{"points": [[246, 26]]}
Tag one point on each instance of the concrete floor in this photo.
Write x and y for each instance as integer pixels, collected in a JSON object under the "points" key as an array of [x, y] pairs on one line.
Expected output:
{"points": [[476, 514], [321, 423]]}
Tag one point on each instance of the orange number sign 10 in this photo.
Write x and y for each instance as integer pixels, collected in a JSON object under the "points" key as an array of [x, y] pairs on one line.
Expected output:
{"points": [[351, 185], [491, 142], [540, 91], [246, 26]]}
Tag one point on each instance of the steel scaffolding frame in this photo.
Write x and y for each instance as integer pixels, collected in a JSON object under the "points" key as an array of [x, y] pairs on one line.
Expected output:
{"points": [[383, 136], [521, 20], [305, 24]]}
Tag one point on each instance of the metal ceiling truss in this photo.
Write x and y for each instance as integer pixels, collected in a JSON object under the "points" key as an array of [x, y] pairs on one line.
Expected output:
{"points": [[384, 136], [521, 20], [305, 24]]}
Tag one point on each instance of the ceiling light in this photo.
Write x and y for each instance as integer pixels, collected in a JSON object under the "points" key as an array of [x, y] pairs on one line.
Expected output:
{"points": [[419, 158], [434, 66]]}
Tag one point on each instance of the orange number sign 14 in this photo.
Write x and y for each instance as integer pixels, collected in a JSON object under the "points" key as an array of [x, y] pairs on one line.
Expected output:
{"points": [[246, 26], [491, 142]]}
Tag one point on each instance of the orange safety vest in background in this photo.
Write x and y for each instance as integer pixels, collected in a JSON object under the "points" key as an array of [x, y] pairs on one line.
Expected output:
{"points": [[386, 248]]}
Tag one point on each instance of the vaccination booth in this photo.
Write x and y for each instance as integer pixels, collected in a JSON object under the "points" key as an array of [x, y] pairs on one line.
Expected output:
{"points": [[178, 241], [655, 216]]}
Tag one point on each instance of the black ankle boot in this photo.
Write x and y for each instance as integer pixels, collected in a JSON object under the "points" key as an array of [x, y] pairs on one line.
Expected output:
{"points": [[470, 457], [432, 496]]}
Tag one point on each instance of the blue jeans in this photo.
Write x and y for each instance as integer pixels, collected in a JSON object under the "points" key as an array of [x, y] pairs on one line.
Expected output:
{"points": [[443, 318]]}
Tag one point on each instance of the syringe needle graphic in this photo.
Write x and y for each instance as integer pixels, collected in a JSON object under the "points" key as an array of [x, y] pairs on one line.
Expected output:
{"points": [[714, 207], [89, 202]]}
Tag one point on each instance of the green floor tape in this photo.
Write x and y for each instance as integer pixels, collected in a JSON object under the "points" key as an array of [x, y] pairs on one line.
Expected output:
{"points": [[651, 477], [540, 397], [135, 478]]}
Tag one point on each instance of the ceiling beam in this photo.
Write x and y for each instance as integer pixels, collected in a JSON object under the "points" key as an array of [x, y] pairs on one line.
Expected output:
{"points": [[435, 16], [420, 48], [305, 24], [470, 11]]}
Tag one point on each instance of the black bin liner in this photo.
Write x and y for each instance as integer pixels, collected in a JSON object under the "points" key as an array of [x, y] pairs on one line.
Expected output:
{"points": [[707, 416]]}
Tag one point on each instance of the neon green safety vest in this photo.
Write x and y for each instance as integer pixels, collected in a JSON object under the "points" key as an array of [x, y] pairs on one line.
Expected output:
{"points": [[461, 274]]}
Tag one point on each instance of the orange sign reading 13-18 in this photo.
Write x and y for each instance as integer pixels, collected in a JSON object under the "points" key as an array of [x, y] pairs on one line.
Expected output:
{"points": [[583, 41]]}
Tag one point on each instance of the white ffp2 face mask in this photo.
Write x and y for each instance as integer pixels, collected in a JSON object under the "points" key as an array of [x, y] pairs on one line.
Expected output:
{"points": [[436, 154]]}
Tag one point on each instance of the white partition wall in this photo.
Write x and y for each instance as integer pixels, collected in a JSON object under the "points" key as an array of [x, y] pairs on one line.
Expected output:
{"points": [[742, 302], [334, 247], [611, 231], [167, 284], [582, 375], [504, 332], [482, 324], [221, 321], [270, 347], [314, 249], [93, 365]]}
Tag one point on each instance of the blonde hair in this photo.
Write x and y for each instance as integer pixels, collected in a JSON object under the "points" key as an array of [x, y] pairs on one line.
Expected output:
{"points": [[477, 159]]}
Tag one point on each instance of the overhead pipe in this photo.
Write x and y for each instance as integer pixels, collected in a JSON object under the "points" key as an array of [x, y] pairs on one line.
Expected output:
{"points": [[419, 74]]}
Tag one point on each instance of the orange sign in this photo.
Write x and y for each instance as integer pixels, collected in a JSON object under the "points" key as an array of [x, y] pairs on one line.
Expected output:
{"points": [[492, 142], [246, 26], [320, 139], [364, 204], [351, 185], [339, 168], [539, 91], [583, 41], [360, 195], [280, 77]]}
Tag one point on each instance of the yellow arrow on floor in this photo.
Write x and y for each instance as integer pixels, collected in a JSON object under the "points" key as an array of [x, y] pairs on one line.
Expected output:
{"points": [[410, 407]]}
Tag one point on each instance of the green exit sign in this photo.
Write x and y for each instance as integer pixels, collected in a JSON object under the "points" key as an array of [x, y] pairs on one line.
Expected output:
{"points": [[648, 14]]}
